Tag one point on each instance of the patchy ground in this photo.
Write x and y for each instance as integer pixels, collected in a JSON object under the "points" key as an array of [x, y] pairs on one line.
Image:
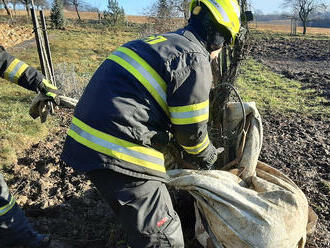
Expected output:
{"points": [[64, 203], [306, 60], [300, 145]]}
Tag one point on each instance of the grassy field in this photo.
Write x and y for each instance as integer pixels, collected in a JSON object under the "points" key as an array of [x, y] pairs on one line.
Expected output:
{"points": [[80, 48], [83, 48], [274, 92], [286, 28]]}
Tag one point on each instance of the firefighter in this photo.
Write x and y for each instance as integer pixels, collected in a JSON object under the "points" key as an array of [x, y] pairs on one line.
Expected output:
{"points": [[146, 91], [15, 229]]}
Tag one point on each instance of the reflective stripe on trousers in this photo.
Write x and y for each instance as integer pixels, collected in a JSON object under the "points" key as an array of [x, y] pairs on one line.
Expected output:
{"points": [[6, 208]]}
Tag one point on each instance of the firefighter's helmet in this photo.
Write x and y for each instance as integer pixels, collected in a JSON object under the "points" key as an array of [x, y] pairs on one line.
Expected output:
{"points": [[226, 13]]}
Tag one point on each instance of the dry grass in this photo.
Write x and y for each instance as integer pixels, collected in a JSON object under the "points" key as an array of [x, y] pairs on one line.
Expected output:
{"points": [[68, 14], [281, 26], [12, 35], [83, 15], [286, 28], [137, 19]]}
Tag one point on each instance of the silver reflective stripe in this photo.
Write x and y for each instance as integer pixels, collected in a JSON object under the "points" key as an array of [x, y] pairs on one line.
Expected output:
{"points": [[13, 73], [143, 72], [182, 115], [115, 147], [6, 208], [221, 10], [236, 8], [199, 148]]}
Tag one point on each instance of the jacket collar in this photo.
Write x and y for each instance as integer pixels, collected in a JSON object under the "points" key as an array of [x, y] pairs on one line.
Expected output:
{"points": [[190, 33]]}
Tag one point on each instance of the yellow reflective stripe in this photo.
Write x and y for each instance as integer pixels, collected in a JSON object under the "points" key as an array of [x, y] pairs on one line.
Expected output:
{"points": [[141, 78], [145, 65], [6, 208], [51, 94], [190, 114], [116, 140], [187, 121], [192, 107], [198, 148], [130, 148], [15, 70], [10, 68], [48, 84], [155, 39]]}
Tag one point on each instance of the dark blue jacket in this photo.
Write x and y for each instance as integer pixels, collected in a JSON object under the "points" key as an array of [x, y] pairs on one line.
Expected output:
{"points": [[145, 89]]}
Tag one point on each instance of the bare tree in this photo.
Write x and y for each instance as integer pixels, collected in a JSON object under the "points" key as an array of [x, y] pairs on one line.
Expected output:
{"points": [[14, 3], [26, 4], [7, 9], [182, 6], [304, 9], [76, 4], [41, 4], [164, 16]]}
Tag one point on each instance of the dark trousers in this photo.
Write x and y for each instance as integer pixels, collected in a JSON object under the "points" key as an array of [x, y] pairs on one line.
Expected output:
{"points": [[143, 207], [14, 226]]}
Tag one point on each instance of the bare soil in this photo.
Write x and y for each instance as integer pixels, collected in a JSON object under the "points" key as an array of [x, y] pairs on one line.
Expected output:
{"points": [[296, 144], [63, 203]]}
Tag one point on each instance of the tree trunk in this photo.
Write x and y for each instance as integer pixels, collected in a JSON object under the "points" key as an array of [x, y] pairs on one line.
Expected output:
{"points": [[7, 9], [305, 28], [27, 9], [76, 7], [14, 7]]}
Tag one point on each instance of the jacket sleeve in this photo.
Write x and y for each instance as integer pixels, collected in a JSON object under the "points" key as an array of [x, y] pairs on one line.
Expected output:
{"points": [[18, 72], [188, 102]]}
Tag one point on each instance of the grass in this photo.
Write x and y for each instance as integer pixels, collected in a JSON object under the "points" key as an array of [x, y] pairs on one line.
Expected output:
{"points": [[17, 129], [259, 34], [274, 92], [84, 48]]}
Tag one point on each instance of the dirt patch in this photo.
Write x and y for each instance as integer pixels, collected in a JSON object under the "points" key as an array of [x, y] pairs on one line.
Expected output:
{"points": [[60, 201], [300, 147]]}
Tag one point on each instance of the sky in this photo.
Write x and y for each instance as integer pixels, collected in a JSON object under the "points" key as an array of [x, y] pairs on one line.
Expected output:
{"points": [[137, 7]]}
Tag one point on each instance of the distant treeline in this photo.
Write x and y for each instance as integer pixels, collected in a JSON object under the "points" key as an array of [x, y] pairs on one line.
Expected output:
{"points": [[322, 20], [320, 23]]}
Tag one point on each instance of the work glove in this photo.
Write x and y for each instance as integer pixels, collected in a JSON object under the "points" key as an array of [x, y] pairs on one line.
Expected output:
{"points": [[40, 106], [204, 163], [46, 88], [209, 162]]}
